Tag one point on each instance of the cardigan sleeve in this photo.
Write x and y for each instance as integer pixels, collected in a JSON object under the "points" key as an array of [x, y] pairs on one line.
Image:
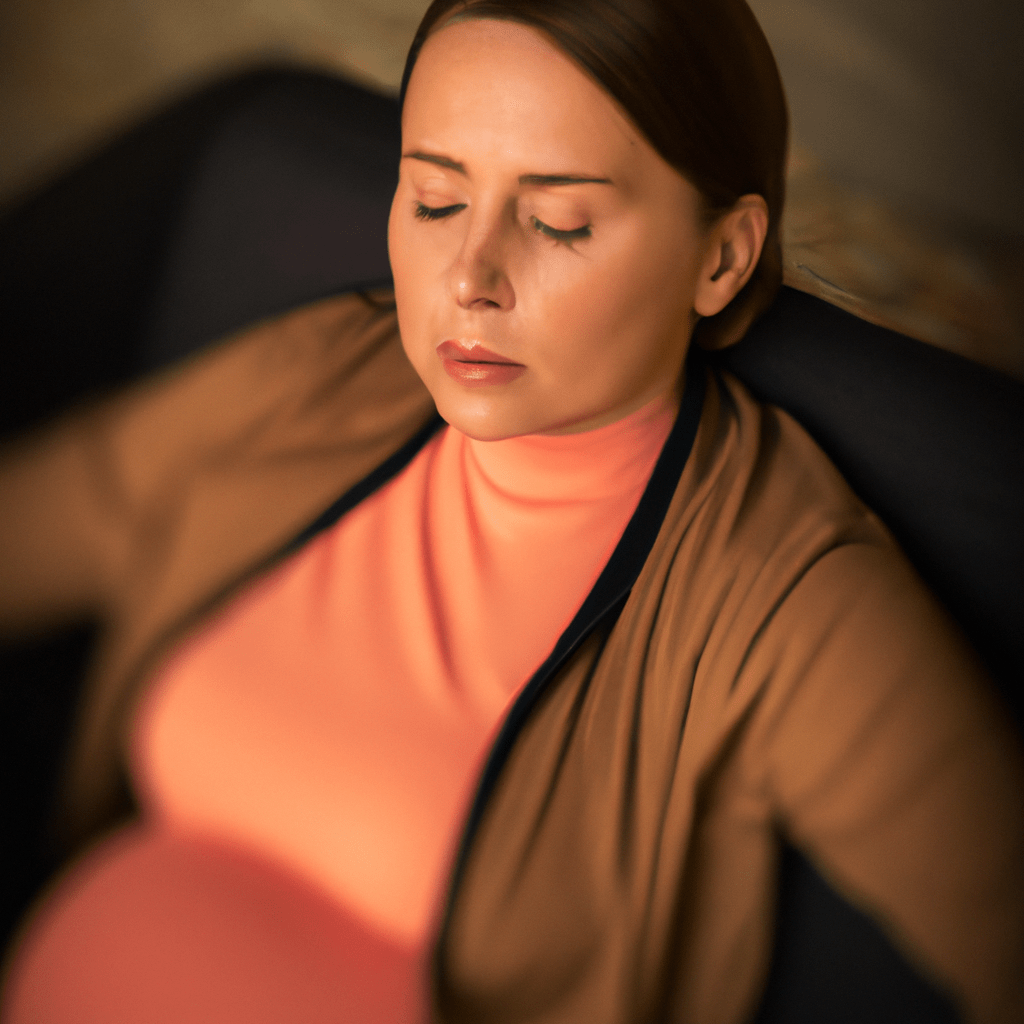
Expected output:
{"points": [[90, 502], [63, 531], [890, 762], [82, 496]]}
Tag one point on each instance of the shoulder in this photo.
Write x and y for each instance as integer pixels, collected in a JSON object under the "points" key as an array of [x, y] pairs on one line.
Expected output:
{"points": [[757, 506], [798, 570], [324, 385], [793, 610], [312, 369], [852, 705]]}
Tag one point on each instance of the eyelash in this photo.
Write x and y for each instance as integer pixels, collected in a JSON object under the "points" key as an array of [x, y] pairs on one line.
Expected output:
{"points": [[566, 237], [424, 212]]}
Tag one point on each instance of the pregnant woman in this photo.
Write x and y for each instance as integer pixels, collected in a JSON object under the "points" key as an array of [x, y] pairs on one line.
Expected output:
{"points": [[468, 651]]}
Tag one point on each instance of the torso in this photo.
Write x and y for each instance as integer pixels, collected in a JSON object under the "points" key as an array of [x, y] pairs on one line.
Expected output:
{"points": [[776, 664], [333, 719]]}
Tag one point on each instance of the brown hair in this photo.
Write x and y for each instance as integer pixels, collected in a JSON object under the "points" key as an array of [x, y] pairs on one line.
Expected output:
{"points": [[698, 79]]}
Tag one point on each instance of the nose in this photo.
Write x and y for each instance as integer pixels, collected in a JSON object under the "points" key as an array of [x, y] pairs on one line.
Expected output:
{"points": [[478, 278]]}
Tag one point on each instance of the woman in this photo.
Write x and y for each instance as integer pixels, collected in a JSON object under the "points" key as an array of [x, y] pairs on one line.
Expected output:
{"points": [[683, 630]]}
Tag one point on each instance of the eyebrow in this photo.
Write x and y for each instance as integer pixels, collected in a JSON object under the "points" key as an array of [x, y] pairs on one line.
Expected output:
{"points": [[524, 179]]}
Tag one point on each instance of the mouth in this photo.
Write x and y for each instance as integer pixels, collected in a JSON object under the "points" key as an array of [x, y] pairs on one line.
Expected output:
{"points": [[474, 366], [474, 354]]}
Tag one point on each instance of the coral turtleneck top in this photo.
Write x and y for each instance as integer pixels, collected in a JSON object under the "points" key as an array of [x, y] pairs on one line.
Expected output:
{"points": [[304, 762]]}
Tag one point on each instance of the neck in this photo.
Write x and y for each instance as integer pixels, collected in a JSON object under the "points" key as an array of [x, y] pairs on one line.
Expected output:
{"points": [[587, 465]]}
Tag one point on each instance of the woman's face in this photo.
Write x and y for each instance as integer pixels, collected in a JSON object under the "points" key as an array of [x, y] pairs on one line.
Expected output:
{"points": [[545, 257]]}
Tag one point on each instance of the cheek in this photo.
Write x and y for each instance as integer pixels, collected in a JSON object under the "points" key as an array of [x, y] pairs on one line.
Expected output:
{"points": [[403, 271], [417, 257], [398, 245], [410, 265], [393, 223], [650, 284], [594, 295], [624, 317]]}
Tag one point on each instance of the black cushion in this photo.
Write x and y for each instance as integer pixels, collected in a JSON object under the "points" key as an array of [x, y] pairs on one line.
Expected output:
{"points": [[288, 202], [257, 193]]}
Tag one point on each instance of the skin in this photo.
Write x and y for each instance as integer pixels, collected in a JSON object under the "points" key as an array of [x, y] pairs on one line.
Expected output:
{"points": [[601, 318]]}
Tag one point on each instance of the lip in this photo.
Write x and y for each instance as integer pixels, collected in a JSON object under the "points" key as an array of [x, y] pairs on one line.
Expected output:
{"points": [[476, 366], [472, 354]]}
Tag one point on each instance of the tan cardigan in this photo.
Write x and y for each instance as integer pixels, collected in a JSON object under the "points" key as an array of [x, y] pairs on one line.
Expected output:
{"points": [[777, 667]]}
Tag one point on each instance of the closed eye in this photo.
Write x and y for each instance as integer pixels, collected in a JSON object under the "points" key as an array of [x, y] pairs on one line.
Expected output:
{"points": [[562, 236], [424, 212]]}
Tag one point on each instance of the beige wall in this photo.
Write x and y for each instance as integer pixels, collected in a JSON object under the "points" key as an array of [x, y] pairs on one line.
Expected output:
{"points": [[72, 72]]}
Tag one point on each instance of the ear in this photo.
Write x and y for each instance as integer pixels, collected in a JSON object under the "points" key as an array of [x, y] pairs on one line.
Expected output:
{"points": [[734, 245]]}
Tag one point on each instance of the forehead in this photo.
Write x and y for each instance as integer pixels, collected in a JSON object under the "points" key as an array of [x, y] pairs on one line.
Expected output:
{"points": [[499, 90]]}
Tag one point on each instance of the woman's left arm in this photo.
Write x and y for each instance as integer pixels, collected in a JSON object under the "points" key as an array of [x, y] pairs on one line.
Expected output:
{"points": [[893, 765]]}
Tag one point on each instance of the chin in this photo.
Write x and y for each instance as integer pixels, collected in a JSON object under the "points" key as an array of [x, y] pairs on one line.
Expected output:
{"points": [[484, 419], [484, 428]]}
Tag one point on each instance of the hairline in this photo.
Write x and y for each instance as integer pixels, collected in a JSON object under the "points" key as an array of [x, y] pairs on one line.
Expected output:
{"points": [[709, 213]]}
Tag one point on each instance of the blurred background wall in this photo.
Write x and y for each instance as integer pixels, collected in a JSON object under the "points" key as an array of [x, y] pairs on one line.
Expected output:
{"points": [[906, 202]]}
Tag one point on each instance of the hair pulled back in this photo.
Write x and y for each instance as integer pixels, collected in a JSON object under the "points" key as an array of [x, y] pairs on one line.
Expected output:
{"points": [[698, 79]]}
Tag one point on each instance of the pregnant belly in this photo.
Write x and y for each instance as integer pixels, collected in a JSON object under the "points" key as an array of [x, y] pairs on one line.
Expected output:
{"points": [[158, 928]]}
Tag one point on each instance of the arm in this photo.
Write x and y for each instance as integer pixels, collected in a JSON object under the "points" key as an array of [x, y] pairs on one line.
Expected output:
{"points": [[892, 765], [62, 527]]}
